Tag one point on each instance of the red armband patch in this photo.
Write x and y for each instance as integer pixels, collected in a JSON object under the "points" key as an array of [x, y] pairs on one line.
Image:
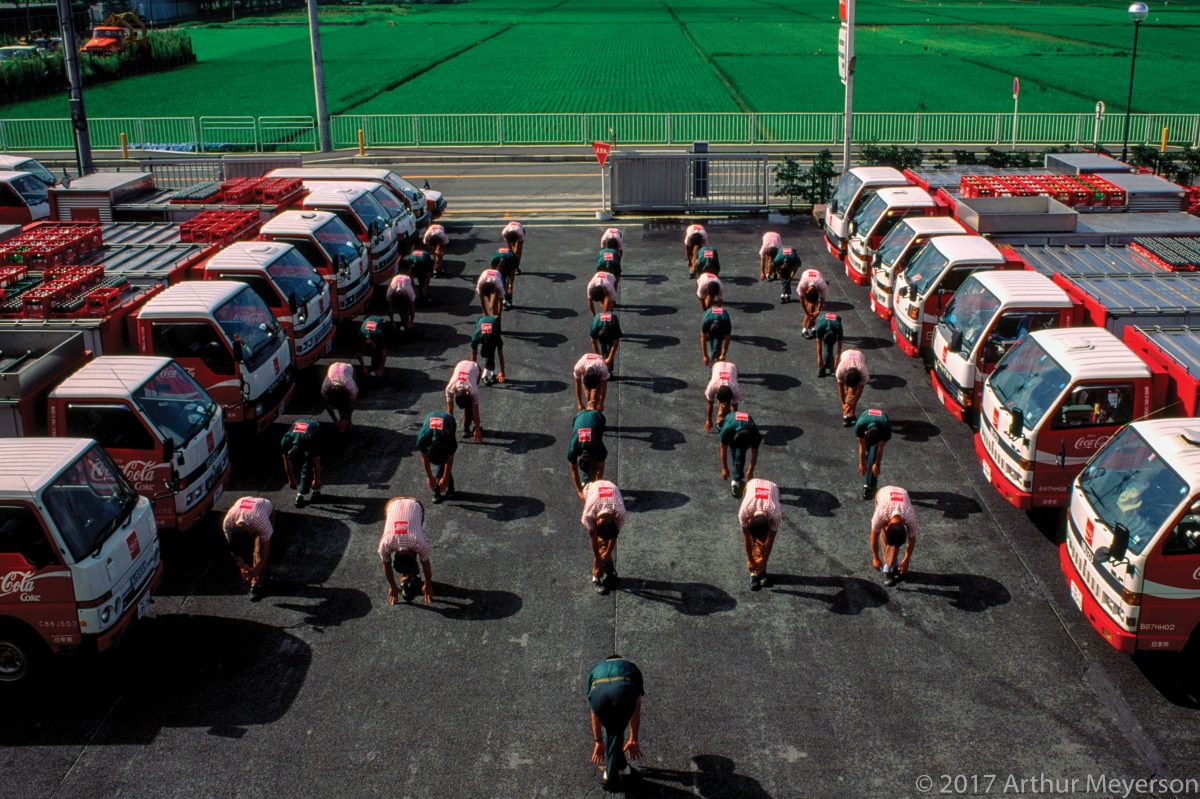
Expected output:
{"points": [[436, 422], [400, 528], [605, 492], [300, 427], [741, 416], [585, 435], [762, 493]]}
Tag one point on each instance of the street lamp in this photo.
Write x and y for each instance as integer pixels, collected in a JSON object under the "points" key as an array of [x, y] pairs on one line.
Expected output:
{"points": [[1137, 12]]}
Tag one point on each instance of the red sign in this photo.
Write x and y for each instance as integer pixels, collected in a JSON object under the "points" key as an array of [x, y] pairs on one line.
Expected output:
{"points": [[601, 149], [134, 546], [435, 423], [485, 327], [1016, 87], [400, 528], [605, 492], [300, 427], [875, 412], [585, 435], [762, 493], [742, 416], [605, 317], [842, 9]]}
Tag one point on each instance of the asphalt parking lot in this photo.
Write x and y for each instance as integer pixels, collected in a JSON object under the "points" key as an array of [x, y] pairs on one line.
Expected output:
{"points": [[826, 685]]}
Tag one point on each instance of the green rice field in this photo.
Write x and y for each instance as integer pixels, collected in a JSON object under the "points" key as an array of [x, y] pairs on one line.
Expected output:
{"points": [[535, 56]]}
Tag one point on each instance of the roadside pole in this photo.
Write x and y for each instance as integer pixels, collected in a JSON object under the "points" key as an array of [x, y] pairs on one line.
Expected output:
{"points": [[602, 148], [83, 141], [846, 73], [1016, 95], [1099, 119], [314, 37]]}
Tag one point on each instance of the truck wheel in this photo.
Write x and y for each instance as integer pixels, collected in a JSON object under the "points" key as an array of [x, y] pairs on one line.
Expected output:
{"points": [[19, 656]]}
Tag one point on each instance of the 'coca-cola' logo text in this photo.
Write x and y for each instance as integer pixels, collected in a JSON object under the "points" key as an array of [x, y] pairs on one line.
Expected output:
{"points": [[1092, 442], [141, 473]]}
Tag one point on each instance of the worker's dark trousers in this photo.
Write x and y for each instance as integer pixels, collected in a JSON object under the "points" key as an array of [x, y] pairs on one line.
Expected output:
{"points": [[613, 704], [714, 347], [827, 355], [870, 480], [785, 278], [739, 464], [307, 474], [489, 359], [438, 470], [605, 347]]}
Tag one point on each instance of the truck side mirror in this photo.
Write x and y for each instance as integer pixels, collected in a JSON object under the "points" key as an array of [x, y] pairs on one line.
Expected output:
{"points": [[292, 301], [1120, 544], [1016, 425], [852, 228], [173, 484], [237, 350]]}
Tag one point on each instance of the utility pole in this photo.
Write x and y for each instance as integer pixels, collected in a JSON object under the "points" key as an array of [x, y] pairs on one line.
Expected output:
{"points": [[314, 36], [83, 142], [846, 68]]}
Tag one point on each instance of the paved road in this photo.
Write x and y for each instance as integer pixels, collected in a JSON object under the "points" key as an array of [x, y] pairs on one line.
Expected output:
{"points": [[828, 685]]}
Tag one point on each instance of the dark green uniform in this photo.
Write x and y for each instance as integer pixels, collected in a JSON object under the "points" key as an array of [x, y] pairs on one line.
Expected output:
{"points": [[707, 260], [740, 434], [876, 420], [418, 263], [606, 330], [487, 340], [716, 326], [614, 687], [438, 441], [587, 436], [787, 264], [609, 260], [829, 333], [304, 435], [374, 332], [504, 261]]}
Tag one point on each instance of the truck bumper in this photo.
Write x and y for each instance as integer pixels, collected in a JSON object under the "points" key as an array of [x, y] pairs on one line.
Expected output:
{"points": [[190, 519], [836, 247], [901, 337], [108, 638], [946, 396], [1120, 640], [271, 414], [858, 271], [994, 474], [881, 310], [354, 310], [317, 352]]}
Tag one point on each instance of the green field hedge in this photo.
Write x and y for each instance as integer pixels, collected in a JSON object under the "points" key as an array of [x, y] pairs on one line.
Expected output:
{"points": [[22, 80]]}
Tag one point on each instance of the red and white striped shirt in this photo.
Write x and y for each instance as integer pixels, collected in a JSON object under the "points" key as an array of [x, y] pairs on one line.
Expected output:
{"points": [[591, 362], [466, 375], [771, 241], [602, 496], [703, 282], [340, 374], [253, 513], [513, 227], [606, 279], [891, 501], [490, 276], [761, 495], [724, 373], [852, 359], [812, 277], [613, 236], [401, 284], [404, 529], [435, 233], [695, 230]]}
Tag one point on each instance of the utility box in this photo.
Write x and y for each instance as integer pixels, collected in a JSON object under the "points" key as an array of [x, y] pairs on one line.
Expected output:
{"points": [[1038, 214], [700, 170]]}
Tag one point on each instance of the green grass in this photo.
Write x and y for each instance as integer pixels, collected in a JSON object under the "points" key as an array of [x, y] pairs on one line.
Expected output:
{"points": [[489, 56]]}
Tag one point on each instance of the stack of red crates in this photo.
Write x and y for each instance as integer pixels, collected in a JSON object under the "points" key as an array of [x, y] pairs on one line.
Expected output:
{"points": [[1073, 190], [260, 191], [220, 227], [45, 244], [1193, 199]]}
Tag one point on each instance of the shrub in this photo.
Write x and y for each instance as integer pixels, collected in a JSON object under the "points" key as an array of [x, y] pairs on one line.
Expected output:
{"points": [[790, 179], [893, 156]]}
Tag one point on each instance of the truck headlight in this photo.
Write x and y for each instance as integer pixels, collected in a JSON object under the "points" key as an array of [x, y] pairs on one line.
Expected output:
{"points": [[912, 312], [106, 614], [245, 390], [301, 317]]}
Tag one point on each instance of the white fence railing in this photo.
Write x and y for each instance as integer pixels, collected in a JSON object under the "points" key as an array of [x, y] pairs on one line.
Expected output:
{"points": [[298, 133]]}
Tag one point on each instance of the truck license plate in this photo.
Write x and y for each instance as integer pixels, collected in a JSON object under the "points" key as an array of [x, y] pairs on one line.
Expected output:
{"points": [[1077, 595], [941, 395], [987, 469], [217, 494], [144, 604]]}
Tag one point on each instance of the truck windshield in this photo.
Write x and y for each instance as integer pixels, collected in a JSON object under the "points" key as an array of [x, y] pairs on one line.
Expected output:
{"points": [[926, 268], [247, 320], [847, 187], [894, 243], [971, 311], [369, 211], [1029, 379], [89, 502], [176, 404], [37, 170], [295, 277], [410, 191], [338, 240], [32, 190], [1129, 483], [394, 206], [868, 214]]}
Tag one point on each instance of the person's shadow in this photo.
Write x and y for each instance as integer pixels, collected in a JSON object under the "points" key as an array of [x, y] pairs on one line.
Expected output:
{"points": [[499, 508], [846, 596], [657, 384], [456, 603], [659, 438], [967, 592], [716, 777], [690, 599], [814, 500], [948, 503], [517, 443]]}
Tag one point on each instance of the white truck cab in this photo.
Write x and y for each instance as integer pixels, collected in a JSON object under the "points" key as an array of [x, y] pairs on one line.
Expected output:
{"points": [[904, 241], [79, 551], [326, 243], [853, 189], [24, 198], [875, 219], [23, 163], [989, 313], [366, 218], [1132, 553]]}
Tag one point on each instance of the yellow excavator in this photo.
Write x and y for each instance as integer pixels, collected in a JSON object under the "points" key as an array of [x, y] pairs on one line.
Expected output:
{"points": [[122, 31]]}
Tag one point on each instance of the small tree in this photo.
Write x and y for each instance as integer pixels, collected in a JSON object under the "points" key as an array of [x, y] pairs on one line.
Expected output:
{"points": [[893, 156], [965, 158], [790, 180], [819, 178], [997, 159]]}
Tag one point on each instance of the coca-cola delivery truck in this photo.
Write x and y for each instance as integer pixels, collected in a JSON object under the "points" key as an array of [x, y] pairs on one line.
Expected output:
{"points": [[904, 241], [855, 188], [289, 286], [876, 218], [1132, 553], [79, 552], [163, 430], [425, 204], [925, 288], [1061, 394], [367, 219], [23, 198], [332, 249], [992, 317]]}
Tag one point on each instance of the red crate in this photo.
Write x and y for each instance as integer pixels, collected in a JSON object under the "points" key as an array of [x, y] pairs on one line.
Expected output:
{"points": [[275, 191], [11, 274], [100, 302], [38, 302]]}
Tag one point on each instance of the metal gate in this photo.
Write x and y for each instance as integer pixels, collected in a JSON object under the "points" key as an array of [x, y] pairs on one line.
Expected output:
{"points": [[179, 173], [689, 182]]}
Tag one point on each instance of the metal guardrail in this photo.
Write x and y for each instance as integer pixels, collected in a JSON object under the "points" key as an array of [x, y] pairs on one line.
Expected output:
{"points": [[210, 134]]}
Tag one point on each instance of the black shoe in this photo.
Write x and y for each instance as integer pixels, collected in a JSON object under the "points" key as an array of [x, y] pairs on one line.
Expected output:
{"points": [[300, 502], [610, 570], [847, 421], [468, 431], [734, 489], [783, 298], [508, 305], [755, 582], [439, 273], [868, 492], [438, 498], [890, 579], [599, 585], [821, 372], [257, 591], [764, 580]]}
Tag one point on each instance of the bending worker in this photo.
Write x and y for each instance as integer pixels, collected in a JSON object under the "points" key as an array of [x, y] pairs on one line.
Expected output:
{"points": [[586, 453], [591, 378], [301, 448], [248, 529], [760, 515], [873, 431], [741, 435], [852, 377], [614, 695], [437, 442], [340, 392], [894, 524], [401, 547], [723, 389], [462, 391], [603, 518]]}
